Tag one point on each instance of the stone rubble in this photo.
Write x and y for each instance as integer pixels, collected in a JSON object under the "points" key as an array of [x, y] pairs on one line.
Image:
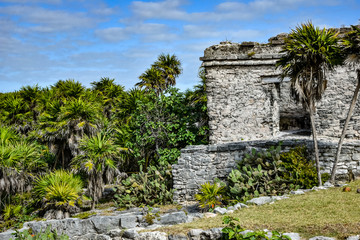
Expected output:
{"points": [[130, 224]]}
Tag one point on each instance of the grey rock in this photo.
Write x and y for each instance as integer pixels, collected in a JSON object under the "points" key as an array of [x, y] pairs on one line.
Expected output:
{"points": [[328, 184], [277, 198], [92, 236], [104, 224], [115, 233], [152, 236], [319, 188], [194, 234], [293, 236], [177, 237], [220, 210], [173, 218], [231, 208], [69, 226], [297, 192], [321, 238], [128, 221], [260, 200], [130, 234], [356, 237], [7, 235]]}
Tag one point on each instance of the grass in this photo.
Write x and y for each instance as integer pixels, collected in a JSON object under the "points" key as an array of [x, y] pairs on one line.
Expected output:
{"points": [[331, 213]]}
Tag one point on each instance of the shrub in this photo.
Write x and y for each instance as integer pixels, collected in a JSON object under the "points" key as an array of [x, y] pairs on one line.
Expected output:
{"points": [[300, 170], [48, 234], [270, 172], [60, 189], [146, 188], [259, 173], [210, 195]]}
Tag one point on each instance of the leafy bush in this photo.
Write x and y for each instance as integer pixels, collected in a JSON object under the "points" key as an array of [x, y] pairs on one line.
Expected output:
{"points": [[210, 195], [259, 173], [300, 170], [11, 211], [60, 189], [19, 211], [146, 188], [48, 234], [234, 231], [270, 172]]}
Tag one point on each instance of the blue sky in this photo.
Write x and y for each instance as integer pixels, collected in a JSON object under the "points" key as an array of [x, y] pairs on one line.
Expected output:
{"points": [[43, 41]]}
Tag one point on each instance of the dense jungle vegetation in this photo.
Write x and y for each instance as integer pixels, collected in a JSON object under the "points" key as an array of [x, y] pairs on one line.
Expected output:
{"points": [[56, 140]]}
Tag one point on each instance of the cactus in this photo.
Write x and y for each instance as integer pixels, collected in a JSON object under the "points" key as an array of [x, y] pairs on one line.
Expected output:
{"points": [[146, 188], [259, 173]]}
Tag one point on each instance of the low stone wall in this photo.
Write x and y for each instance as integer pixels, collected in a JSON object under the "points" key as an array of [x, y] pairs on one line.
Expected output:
{"points": [[203, 163]]}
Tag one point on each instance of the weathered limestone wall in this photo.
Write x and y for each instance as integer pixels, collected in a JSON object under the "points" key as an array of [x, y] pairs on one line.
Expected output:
{"points": [[246, 101], [249, 107], [200, 164]]}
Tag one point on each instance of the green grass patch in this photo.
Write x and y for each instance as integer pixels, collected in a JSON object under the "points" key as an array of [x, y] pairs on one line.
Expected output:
{"points": [[84, 215], [331, 212]]}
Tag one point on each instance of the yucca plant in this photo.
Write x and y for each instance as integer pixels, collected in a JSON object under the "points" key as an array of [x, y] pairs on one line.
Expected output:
{"points": [[58, 190], [210, 195]]}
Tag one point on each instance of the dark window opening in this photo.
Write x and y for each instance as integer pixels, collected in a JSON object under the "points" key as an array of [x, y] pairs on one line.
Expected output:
{"points": [[298, 124]]}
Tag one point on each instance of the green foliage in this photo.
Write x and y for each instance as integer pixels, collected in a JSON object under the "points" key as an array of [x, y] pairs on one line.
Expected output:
{"points": [[11, 211], [259, 173], [161, 125], [84, 215], [59, 188], [234, 231], [271, 173], [210, 195], [48, 234], [300, 170], [146, 188]]}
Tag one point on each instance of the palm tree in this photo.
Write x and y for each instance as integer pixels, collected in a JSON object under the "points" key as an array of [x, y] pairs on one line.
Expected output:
{"points": [[98, 159], [31, 95], [19, 159], [110, 93], [69, 88], [308, 53], [161, 75], [170, 68], [152, 80], [352, 50]]}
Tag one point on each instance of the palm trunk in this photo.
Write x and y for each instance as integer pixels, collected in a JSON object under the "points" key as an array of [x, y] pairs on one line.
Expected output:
{"points": [[313, 128], [351, 109]]}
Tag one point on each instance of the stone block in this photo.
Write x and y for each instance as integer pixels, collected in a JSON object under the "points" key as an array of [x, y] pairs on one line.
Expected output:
{"points": [[173, 218], [104, 224], [128, 221]]}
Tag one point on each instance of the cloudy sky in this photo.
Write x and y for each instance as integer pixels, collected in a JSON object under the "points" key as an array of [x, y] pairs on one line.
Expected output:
{"points": [[43, 41]]}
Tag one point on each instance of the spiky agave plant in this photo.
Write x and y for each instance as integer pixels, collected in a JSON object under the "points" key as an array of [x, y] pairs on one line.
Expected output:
{"points": [[57, 190], [210, 195]]}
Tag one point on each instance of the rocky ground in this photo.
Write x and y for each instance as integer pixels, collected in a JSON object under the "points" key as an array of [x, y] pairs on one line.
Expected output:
{"points": [[141, 223]]}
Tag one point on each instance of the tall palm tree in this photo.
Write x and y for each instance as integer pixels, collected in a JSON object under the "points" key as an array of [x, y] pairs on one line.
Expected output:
{"points": [[170, 68], [308, 53], [351, 44], [69, 88], [161, 75], [110, 93], [152, 79], [31, 94], [98, 158]]}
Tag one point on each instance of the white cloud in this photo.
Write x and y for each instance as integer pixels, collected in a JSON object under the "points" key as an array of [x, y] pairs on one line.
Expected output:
{"points": [[46, 20], [168, 9], [148, 32]]}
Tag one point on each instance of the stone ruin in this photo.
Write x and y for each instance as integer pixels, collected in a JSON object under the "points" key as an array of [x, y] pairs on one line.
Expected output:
{"points": [[249, 107]]}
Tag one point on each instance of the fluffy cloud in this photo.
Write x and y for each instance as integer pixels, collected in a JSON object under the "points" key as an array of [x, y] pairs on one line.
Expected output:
{"points": [[47, 20]]}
